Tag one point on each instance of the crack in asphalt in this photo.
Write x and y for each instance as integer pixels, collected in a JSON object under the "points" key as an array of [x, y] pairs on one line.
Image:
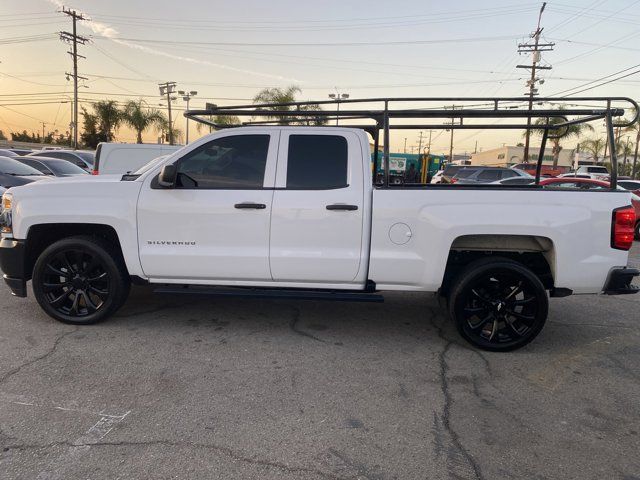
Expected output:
{"points": [[6, 376], [361, 469], [448, 400], [293, 325], [229, 452]]}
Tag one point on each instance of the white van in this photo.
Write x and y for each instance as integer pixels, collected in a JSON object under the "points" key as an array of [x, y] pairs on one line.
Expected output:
{"points": [[120, 158]]}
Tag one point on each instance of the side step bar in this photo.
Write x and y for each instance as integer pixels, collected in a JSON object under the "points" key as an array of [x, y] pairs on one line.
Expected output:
{"points": [[250, 292]]}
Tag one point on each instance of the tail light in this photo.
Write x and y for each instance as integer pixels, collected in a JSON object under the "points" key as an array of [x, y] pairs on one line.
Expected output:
{"points": [[454, 180], [622, 228], [94, 172]]}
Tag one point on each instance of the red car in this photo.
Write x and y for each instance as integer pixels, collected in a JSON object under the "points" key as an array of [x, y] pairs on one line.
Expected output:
{"points": [[589, 184], [545, 171]]}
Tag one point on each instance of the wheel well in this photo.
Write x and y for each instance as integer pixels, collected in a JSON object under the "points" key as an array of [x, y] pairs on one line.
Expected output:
{"points": [[536, 253], [41, 236]]}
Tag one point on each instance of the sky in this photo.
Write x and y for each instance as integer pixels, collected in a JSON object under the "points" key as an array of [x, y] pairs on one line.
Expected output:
{"points": [[228, 51]]}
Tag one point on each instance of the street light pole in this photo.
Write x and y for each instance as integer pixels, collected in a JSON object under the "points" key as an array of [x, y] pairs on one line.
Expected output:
{"points": [[337, 97], [186, 96], [168, 88]]}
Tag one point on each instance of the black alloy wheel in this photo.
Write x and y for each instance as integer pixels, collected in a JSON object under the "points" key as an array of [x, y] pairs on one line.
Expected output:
{"points": [[498, 304], [80, 280]]}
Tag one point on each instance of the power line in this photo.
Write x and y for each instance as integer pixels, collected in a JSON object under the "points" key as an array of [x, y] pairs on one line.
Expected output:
{"points": [[556, 94]]}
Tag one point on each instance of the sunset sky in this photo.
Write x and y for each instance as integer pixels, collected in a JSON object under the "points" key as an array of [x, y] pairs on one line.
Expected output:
{"points": [[228, 51]]}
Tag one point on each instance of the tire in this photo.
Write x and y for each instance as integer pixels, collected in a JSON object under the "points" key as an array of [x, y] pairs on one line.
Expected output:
{"points": [[80, 280], [498, 304]]}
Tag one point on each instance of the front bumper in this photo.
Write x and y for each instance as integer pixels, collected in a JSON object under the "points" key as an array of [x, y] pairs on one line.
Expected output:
{"points": [[619, 282], [12, 264]]}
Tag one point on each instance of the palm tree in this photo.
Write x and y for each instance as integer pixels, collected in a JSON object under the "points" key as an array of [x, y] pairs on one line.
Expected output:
{"points": [[109, 117], [141, 119], [564, 132], [594, 146], [226, 120], [287, 95]]}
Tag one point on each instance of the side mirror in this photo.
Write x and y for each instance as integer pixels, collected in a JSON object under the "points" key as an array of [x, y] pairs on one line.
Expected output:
{"points": [[167, 176]]}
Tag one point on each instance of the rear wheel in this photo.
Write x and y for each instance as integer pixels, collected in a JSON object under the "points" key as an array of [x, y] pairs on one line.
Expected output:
{"points": [[80, 280], [498, 304]]}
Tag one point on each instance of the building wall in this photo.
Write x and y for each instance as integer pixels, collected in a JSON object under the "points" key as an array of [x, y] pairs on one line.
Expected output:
{"points": [[507, 156]]}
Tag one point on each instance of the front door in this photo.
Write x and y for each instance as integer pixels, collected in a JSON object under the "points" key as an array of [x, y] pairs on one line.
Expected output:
{"points": [[317, 216], [214, 225]]}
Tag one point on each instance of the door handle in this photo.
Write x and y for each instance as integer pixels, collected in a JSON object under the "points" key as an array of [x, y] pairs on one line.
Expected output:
{"points": [[249, 205], [342, 206]]}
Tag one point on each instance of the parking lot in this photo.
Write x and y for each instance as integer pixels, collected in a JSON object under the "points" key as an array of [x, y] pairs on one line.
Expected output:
{"points": [[177, 387]]}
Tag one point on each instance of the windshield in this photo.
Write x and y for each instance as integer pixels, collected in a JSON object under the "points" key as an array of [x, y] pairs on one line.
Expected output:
{"points": [[149, 165], [598, 170], [13, 167], [451, 169], [86, 156], [62, 167]]}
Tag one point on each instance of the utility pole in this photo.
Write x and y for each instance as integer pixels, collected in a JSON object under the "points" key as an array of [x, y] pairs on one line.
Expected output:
{"points": [[337, 97], [73, 38], [419, 144], [43, 124], [535, 49], [452, 123], [167, 89], [405, 144], [186, 96]]}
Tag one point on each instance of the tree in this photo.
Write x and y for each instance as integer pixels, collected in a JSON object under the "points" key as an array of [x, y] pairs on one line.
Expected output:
{"points": [[594, 146], [287, 95], [91, 134], [564, 132], [109, 117], [2, 136], [141, 119], [225, 120], [635, 128]]}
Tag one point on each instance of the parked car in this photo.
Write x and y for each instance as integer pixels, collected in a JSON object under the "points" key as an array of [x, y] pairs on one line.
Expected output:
{"points": [[469, 175], [82, 158], [545, 170], [589, 184], [437, 177], [596, 172], [5, 152], [13, 173], [631, 185], [450, 171], [52, 166], [21, 151], [120, 158], [516, 181]]}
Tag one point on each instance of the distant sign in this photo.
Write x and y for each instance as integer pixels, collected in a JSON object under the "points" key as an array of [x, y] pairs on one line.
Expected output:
{"points": [[397, 163]]}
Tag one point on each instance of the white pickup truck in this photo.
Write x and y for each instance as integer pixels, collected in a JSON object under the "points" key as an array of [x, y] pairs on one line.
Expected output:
{"points": [[291, 211]]}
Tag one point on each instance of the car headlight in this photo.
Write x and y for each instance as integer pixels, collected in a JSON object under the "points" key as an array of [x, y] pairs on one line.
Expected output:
{"points": [[5, 215]]}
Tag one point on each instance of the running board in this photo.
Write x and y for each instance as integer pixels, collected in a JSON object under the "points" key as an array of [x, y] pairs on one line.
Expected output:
{"points": [[251, 292]]}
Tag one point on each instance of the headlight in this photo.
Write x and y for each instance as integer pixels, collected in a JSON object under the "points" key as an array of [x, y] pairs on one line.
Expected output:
{"points": [[5, 216]]}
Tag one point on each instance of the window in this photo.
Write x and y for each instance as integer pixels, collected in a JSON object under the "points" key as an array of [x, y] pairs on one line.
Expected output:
{"points": [[38, 166], [508, 174], [490, 175], [235, 162], [317, 162]]}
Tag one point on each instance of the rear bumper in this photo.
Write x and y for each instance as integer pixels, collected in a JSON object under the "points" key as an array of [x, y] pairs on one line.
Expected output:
{"points": [[619, 282], [12, 264]]}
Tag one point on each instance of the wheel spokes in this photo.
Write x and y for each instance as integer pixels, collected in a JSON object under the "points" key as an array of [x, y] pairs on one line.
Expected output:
{"points": [[59, 300]]}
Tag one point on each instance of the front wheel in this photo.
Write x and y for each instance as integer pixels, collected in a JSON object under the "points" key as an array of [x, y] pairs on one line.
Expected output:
{"points": [[80, 280], [498, 304]]}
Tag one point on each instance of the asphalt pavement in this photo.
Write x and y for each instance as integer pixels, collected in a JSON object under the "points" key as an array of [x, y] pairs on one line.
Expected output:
{"points": [[184, 388]]}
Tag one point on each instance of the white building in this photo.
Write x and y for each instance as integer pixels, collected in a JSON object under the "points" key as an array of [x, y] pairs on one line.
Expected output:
{"points": [[508, 155]]}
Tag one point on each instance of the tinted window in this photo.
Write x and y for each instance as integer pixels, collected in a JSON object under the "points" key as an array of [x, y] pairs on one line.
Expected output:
{"points": [[62, 167], [490, 175], [451, 170], [14, 167], [508, 174], [88, 157], [466, 172], [598, 170], [629, 185], [317, 162], [37, 165], [238, 161]]}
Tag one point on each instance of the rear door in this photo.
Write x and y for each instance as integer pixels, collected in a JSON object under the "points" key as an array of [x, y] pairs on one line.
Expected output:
{"points": [[318, 211]]}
